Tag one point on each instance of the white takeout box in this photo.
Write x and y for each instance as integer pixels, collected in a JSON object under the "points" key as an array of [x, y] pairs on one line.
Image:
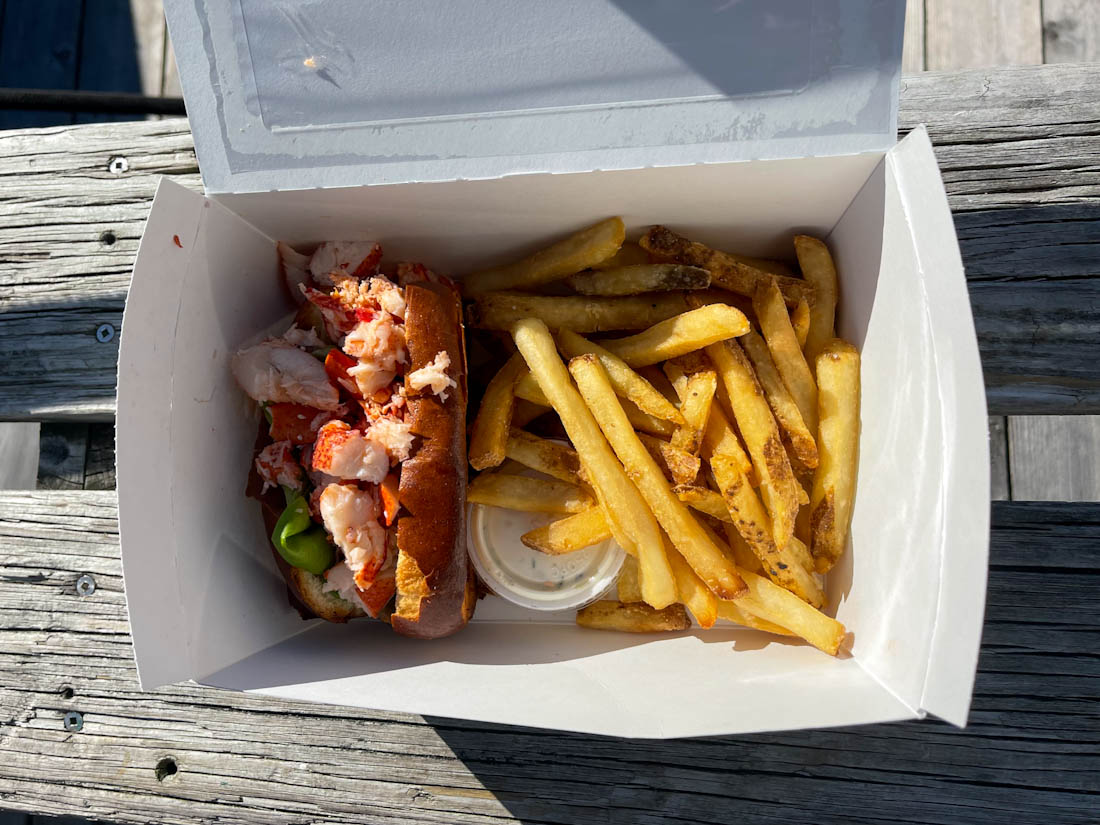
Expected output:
{"points": [[465, 134]]}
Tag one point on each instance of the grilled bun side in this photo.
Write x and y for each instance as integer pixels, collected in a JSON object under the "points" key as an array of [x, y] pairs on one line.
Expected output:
{"points": [[435, 583]]}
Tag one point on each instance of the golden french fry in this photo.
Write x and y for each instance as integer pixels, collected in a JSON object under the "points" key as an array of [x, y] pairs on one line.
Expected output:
{"points": [[784, 565], [571, 533], [579, 251], [546, 456], [683, 333], [732, 613], [629, 254], [524, 411], [634, 280], [537, 495], [645, 422], [695, 406], [819, 270], [527, 389], [800, 320], [719, 437], [767, 600], [631, 521], [704, 500], [742, 553], [674, 463], [761, 434], [629, 584], [736, 273], [636, 617], [625, 381], [775, 324], [489, 433], [838, 446], [780, 399], [686, 534], [580, 313], [694, 594]]}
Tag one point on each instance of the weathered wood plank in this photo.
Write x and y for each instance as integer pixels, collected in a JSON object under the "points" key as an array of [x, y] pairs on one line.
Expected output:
{"points": [[150, 32], [1000, 488], [99, 468], [1019, 150], [170, 82], [912, 52], [1031, 751], [1071, 31], [62, 454], [966, 34], [18, 455], [1055, 458]]}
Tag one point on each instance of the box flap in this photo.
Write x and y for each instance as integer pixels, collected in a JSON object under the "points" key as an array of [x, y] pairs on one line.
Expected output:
{"points": [[285, 95]]}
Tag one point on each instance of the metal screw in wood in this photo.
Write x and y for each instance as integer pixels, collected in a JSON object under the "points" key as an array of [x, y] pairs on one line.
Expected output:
{"points": [[104, 333], [85, 585], [118, 165], [73, 721]]}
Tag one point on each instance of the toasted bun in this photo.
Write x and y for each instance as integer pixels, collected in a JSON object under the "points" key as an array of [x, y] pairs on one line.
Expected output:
{"points": [[435, 583]]}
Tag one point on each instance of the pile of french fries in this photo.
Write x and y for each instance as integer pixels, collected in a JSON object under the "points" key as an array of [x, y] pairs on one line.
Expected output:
{"points": [[716, 441]]}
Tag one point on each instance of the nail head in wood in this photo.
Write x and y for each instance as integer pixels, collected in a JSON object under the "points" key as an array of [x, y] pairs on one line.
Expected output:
{"points": [[118, 165], [85, 585], [104, 333], [73, 721]]}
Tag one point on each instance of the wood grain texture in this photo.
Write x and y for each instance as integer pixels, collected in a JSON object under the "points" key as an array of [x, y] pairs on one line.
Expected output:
{"points": [[1000, 486], [912, 52], [18, 455], [1031, 753], [1019, 150], [99, 466], [63, 450], [1054, 458], [1071, 31], [965, 34]]}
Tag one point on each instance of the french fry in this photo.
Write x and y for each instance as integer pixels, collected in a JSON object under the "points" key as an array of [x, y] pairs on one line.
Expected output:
{"points": [[629, 254], [537, 495], [767, 600], [549, 457], [527, 389], [579, 251], [719, 437], [775, 324], [802, 554], [819, 270], [704, 500], [569, 534], [635, 617], [629, 584], [524, 412], [695, 406], [784, 565], [686, 534], [580, 313], [694, 594], [779, 398], [838, 446], [742, 553], [631, 521], [634, 280], [732, 613], [736, 273], [761, 434], [646, 423], [625, 381], [800, 320], [489, 433], [683, 333], [674, 463]]}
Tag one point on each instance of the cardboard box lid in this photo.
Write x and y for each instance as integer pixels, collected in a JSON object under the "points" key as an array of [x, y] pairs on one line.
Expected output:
{"points": [[293, 95]]}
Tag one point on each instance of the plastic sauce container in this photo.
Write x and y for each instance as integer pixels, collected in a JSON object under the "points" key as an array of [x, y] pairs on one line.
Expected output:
{"points": [[532, 579]]}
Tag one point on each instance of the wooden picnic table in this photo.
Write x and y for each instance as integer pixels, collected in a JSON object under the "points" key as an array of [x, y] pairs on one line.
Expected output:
{"points": [[1020, 154]]}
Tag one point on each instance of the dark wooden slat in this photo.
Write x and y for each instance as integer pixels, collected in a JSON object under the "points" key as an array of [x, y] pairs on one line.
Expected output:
{"points": [[108, 54], [99, 469], [1031, 752], [39, 49], [62, 454], [1019, 150]]}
